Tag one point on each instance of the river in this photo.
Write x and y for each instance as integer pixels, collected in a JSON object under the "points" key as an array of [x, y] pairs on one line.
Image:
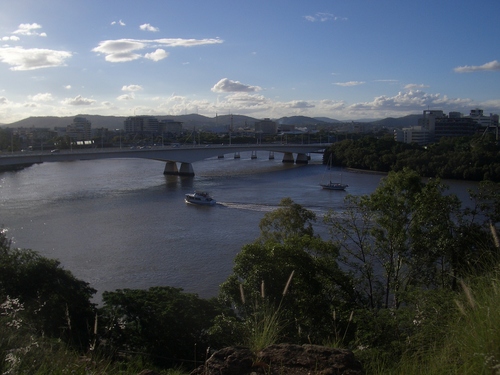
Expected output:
{"points": [[120, 223]]}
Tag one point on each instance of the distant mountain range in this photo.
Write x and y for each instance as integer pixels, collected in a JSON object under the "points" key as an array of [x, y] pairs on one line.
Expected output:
{"points": [[219, 123]]}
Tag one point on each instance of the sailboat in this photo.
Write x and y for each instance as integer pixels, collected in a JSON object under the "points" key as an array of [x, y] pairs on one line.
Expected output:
{"points": [[331, 185]]}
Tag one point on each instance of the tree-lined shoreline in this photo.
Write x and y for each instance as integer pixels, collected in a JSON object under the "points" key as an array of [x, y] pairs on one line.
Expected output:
{"points": [[397, 274]]}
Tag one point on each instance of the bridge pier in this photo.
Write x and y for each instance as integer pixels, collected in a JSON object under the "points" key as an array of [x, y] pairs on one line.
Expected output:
{"points": [[287, 157], [302, 159], [171, 168], [185, 170]]}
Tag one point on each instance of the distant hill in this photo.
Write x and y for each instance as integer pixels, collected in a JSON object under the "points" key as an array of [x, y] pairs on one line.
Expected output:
{"points": [[301, 120], [400, 122], [219, 123], [326, 119]]}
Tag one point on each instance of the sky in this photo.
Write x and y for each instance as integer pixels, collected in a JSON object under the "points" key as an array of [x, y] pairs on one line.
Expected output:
{"points": [[341, 59]]}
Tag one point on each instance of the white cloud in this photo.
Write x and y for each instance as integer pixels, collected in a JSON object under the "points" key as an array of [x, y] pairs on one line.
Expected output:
{"points": [[121, 23], [12, 38], [350, 83], [67, 87], [323, 17], [148, 27], [123, 50], [227, 85], [490, 66], [414, 86], [132, 88], [157, 55], [120, 50], [3, 100], [179, 42], [126, 97], [29, 29], [45, 97], [34, 58], [78, 100], [412, 101]]}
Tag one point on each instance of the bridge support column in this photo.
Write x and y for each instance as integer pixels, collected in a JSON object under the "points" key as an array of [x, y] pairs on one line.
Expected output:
{"points": [[271, 155], [186, 169], [171, 168], [287, 157], [301, 159], [254, 155]]}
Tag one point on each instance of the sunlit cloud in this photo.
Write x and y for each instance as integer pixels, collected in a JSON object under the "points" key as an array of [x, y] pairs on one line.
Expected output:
{"points": [[132, 88], [126, 97], [11, 38], [29, 29], [350, 83], [123, 50], [42, 97], [148, 27], [67, 87], [227, 85], [34, 58], [490, 66], [78, 100], [157, 55]]}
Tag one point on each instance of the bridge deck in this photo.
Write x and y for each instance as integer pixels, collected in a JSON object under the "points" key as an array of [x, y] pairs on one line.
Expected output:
{"points": [[182, 154]]}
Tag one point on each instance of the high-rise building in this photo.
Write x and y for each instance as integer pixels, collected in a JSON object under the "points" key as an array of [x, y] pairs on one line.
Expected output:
{"points": [[80, 129], [141, 124], [266, 126], [170, 126]]}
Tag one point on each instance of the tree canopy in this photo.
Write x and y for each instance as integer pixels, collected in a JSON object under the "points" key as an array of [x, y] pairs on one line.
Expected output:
{"points": [[474, 158]]}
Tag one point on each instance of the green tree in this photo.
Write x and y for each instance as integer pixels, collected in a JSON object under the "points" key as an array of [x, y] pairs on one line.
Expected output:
{"points": [[262, 270], [289, 220], [164, 324], [55, 302], [403, 236]]}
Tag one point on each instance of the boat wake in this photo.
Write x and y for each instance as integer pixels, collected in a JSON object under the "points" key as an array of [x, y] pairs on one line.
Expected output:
{"points": [[248, 206]]}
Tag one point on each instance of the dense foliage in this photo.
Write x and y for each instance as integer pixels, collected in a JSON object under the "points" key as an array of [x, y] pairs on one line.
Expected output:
{"points": [[163, 324], [464, 158], [57, 304]]}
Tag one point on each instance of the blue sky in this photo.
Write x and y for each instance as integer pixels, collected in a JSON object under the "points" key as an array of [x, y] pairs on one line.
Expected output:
{"points": [[343, 59]]}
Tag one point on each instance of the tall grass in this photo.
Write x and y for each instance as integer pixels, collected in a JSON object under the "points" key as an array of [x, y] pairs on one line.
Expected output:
{"points": [[266, 324], [24, 351], [472, 342]]}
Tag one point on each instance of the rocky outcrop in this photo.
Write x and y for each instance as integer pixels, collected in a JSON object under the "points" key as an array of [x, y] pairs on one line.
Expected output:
{"points": [[282, 359]]}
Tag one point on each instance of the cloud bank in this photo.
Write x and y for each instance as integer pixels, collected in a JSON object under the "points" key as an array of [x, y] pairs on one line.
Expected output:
{"points": [[123, 50], [490, 66]]}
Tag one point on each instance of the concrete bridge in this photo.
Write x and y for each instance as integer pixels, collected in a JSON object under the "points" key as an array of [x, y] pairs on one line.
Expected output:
{"points": [[183, 155]]}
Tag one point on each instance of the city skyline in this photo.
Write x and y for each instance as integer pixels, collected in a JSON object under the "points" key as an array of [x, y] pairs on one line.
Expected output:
{"points": [[346, 60]]}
